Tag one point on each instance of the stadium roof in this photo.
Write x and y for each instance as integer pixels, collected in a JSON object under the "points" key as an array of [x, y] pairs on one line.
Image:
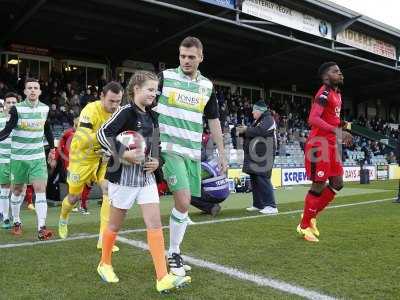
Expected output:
{"points": [[149, 30], [341, 10]]}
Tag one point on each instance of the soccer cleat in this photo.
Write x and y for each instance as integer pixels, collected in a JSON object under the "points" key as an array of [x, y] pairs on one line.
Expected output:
{"points": [[17, 229], [114, 248], [6, 224], [84, 211], [170, 281], [75, 209], [106, 273], [31, 207], [177, 266], [63, 228], [313, 226], [307, 234], [44, 234]]}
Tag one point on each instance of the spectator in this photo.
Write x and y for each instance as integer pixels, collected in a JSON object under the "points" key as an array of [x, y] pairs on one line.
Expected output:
{"points": [[3, 90], [101, 83], [53, 115], [74, 105], [65, 118], [258, 163], [391, 158], [62, 100], [69, 90], [87, 98]]}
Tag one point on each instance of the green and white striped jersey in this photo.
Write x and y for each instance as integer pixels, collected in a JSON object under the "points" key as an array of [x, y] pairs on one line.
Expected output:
{"points": [[27, 128], [5, 146], [181, 107]]}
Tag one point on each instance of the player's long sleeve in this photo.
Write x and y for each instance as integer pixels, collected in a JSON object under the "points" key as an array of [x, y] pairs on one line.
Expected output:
{"points": [[49, 134], [10, 125], [108, 132], [315, 120], [61, 145]]}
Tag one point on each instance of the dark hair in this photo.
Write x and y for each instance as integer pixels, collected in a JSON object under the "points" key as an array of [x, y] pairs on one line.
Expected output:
{"points": [[191, 41], [112, 86], [10, 95], [325, 67], [27, 80], [139, 78]]}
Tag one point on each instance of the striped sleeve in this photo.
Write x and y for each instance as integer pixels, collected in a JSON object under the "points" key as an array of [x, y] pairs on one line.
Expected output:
{"points": [[108, 132], [10, 125]]}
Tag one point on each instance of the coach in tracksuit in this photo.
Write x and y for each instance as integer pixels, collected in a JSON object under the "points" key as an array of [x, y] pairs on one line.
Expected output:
{"points": [[259, 151]]}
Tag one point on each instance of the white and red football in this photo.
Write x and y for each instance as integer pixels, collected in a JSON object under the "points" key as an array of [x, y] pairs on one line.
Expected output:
{"points": [[132, 140]]}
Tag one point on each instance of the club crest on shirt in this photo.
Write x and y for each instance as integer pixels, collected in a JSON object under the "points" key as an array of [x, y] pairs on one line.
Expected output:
{"points": [[203, 91], [172, 180], [320, 174], [337, 111], [85, 119], [73, 177]]}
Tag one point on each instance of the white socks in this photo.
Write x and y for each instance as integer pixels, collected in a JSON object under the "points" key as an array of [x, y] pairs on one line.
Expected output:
{"points": [[5, 202], [177, 227], [41, 209], [16, 202]]}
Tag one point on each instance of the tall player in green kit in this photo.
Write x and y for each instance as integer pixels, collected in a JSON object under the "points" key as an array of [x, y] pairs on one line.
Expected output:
{"points": [[10, 99], [185, 97], [27, 126]]}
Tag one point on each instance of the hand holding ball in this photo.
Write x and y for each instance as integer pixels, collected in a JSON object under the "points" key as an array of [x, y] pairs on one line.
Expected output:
{"points": [[135, 145]]}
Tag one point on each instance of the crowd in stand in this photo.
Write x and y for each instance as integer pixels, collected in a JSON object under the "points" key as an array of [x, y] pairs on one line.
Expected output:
{"points": [[66, 99], [379, 125], [292, 127]]}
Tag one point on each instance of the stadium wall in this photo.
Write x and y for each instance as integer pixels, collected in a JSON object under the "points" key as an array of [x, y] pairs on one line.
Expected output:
{"points": [[297, 176]]}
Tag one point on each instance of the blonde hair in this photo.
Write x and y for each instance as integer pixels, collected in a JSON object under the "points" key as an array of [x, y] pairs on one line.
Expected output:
{"points": [[138, 78]]}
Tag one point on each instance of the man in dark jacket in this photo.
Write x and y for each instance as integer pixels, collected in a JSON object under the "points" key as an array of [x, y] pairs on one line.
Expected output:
{"points": [[259, 151], [398, 161]]}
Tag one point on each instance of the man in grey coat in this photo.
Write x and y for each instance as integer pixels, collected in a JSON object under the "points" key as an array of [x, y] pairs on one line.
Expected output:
{"points": [[259, 151]]}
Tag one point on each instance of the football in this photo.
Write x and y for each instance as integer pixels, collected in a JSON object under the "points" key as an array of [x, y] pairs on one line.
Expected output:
{"points": [[132, 140]]}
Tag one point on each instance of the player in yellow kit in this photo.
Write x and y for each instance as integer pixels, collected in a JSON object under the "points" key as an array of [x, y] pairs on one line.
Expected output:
{"points": [[86, 164]]}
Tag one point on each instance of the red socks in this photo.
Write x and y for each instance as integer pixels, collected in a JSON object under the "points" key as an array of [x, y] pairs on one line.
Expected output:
{"points": [[29, 194], [315, 203], [326, 197], [310, 209]]}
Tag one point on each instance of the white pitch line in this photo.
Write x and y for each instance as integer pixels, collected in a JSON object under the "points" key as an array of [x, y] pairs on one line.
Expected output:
{"points": [[241, 275], [90, 236], [286, 212]]}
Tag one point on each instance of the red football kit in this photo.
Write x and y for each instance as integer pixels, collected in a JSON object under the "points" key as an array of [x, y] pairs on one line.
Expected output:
{"points": [[322, 158]]}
